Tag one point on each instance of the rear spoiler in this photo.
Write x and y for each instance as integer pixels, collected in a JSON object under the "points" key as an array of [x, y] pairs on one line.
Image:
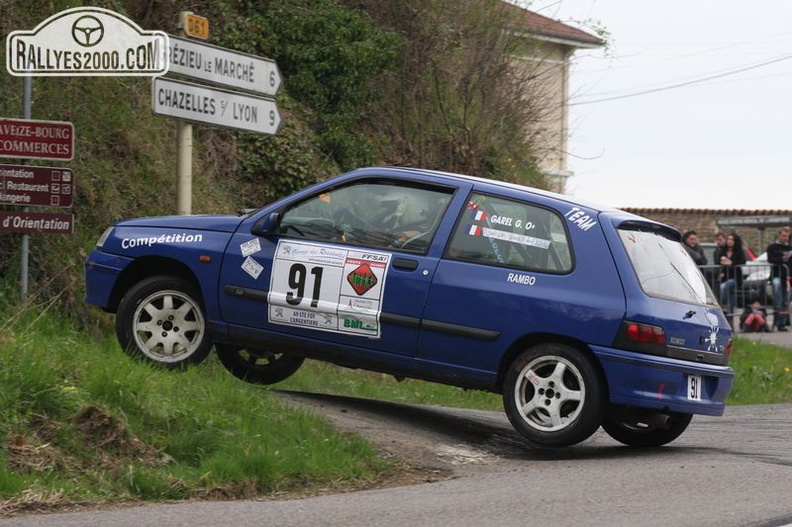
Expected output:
{"points": [[649, 226]]}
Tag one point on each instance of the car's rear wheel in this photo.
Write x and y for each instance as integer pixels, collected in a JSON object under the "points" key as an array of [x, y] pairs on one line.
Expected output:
{"points": [[258, 366], [553, 395], [161, 319], [650, 429]]}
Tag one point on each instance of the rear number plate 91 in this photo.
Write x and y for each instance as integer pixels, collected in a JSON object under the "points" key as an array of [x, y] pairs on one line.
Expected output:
{"points": [[694, 383]]}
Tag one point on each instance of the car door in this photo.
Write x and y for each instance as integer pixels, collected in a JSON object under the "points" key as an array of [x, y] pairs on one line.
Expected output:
{"points": [[509, 271], [348, 265]]}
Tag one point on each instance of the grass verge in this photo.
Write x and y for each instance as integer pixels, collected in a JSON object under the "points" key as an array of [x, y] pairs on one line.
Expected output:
{"points": [[763, 373], [82, 423]]}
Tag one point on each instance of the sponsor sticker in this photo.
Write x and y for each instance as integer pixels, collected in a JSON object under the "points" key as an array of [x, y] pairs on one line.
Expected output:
{"points": [[250, 247], [252, 267]]}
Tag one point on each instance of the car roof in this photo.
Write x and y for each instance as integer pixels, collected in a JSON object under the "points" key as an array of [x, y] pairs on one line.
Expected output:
{"points": [[617, 216], [409, 171]]}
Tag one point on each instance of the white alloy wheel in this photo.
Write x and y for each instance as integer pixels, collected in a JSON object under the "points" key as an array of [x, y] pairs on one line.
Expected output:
{"points": [[550, 394], [168, 326], [161, 319], [554, 394]]}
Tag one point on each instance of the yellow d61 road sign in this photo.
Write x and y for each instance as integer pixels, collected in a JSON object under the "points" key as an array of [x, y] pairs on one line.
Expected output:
{"points": [[196, 26]]}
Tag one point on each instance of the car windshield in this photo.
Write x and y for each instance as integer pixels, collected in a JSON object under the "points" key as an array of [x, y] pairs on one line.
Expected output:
{"points": [[665, 269]]}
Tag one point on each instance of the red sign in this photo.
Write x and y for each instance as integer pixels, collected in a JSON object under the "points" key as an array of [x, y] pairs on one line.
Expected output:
{"points": [[29, 139], [36, 186], [29, 222]]}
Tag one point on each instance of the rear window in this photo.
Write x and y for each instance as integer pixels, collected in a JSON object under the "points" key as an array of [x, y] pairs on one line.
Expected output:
{"points": [[664, 268]]}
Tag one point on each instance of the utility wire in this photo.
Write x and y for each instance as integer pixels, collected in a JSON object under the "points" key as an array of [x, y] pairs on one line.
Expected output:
{"points": [[676, 57], [686, 83]]}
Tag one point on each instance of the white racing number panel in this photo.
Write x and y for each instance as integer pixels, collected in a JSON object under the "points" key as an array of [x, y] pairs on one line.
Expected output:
{"points": [[694, 387], [327, 288]]}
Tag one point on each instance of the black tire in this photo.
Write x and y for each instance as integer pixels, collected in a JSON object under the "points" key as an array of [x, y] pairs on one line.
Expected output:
{"points": [[640, 433], [258, 366], [162, 320], [553, 395]]}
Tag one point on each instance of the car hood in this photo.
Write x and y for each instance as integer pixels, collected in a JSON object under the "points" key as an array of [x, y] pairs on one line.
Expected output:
{"points": [[217, 223]]}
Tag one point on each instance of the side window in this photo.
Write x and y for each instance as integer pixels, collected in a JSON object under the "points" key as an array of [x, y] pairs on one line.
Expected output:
{"points": [[382, 214], [509, 233]]}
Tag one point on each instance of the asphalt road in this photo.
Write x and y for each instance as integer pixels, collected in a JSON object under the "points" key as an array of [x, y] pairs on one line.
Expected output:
{"points": [[729, 471]]}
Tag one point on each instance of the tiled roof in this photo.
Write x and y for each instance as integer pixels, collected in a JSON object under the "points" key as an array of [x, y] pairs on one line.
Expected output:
{"points": [[537, 24]]}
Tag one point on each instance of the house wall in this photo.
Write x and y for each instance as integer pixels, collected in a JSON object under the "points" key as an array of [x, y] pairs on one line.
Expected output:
{"points": [[548, 133]]}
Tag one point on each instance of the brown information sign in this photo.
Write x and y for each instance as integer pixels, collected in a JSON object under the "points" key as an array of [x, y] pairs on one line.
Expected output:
{"points": [[40, 222], [31, 139], [26, 185]]}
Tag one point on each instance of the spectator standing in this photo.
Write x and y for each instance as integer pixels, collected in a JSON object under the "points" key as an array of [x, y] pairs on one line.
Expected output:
{"points": [[778, 254], [712, 272], [730, 258], [720, 241], [690, 241]]}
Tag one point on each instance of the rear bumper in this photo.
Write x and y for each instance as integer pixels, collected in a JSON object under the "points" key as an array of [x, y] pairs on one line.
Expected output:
{"points": [[101, 274], [648, 381]]}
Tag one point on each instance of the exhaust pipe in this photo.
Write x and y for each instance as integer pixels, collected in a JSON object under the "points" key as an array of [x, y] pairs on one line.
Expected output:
{"points": [[656, 420], [637, 416]]}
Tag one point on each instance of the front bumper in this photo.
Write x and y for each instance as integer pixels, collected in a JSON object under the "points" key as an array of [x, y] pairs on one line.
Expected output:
{"points": [[661, 383], [101, 274]]}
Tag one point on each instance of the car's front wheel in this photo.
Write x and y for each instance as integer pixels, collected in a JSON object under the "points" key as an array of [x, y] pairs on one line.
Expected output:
{"points": [[161, 319], [258, 366], [651, 429], [553, 395]]}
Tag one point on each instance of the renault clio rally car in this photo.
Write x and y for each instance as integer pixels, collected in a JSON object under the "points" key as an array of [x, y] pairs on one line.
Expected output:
{"points": [[579, 316]]}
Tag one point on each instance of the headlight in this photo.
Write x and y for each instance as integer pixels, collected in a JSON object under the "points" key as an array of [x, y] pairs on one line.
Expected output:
{"points": [[103, 238]]}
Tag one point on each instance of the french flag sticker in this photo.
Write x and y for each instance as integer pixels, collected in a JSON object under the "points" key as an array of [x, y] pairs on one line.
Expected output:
{"points": [[480, 215], [475, 230]]}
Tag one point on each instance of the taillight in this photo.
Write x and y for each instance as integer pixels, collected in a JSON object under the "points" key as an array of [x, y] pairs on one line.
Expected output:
{"points": [[637, 336], [645, 333], [728, 350]]}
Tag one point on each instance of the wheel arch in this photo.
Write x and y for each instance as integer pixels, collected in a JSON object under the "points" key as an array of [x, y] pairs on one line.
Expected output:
{"points": [[147, 267], [527, 341]]}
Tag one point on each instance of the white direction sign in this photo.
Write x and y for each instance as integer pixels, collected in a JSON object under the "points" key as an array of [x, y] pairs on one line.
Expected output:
{"points": [[192, 102], [223, 66]]}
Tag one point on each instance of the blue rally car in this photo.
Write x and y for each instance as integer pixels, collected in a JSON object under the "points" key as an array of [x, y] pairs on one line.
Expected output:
{"points": [[579, 316]]}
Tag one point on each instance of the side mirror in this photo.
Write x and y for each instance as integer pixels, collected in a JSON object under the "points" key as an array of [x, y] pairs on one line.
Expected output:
{"points": [[266, 226]]}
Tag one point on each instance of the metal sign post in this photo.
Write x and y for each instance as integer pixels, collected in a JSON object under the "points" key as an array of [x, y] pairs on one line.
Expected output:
{"points": [[184, 145], [184, 168], [24, 251]]}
